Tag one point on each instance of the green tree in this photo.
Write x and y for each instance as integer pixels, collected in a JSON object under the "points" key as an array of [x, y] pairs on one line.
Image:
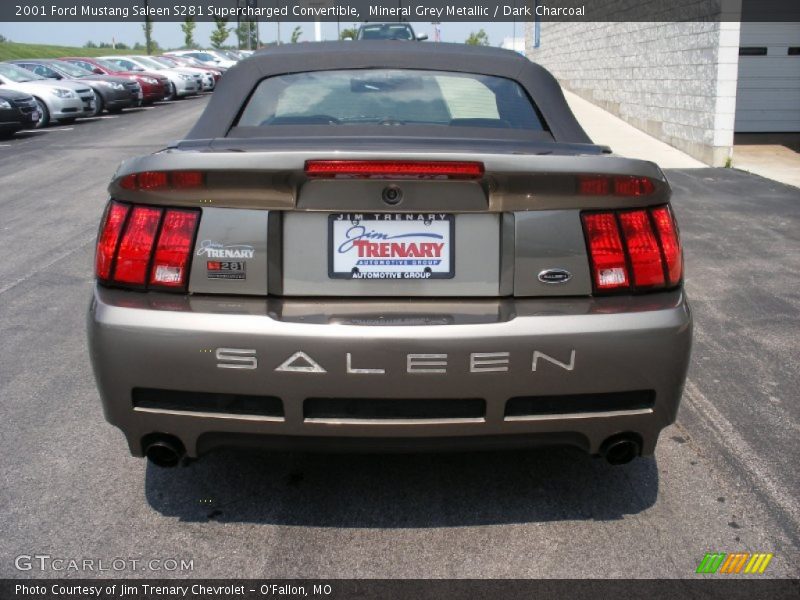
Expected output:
{"points": [[247, 34], [147, 27], [477, 39], [221, 33], [91, 44], [188, 26], [349, 32], [298, 31]]}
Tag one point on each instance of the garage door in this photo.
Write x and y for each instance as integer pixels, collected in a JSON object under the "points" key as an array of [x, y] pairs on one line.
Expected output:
{"points": [[768, 88]]}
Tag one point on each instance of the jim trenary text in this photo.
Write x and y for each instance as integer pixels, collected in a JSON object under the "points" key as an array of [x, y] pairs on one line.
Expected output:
{"points": [[168, 592]]}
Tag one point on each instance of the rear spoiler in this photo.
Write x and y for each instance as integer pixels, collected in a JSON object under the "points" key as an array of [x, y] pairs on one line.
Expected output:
{"points": [[278, 180]]}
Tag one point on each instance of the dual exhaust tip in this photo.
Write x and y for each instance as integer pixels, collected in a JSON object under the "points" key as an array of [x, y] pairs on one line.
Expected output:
{"points": [[621, 449], [167, 451], [163, 450]]}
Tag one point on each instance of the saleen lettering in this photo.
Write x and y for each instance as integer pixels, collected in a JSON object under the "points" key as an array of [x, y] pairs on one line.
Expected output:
{"points": [[415, 364]]}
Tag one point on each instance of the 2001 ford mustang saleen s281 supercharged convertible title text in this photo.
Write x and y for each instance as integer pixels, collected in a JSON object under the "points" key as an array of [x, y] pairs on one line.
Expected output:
{"points": [[390, 246]]}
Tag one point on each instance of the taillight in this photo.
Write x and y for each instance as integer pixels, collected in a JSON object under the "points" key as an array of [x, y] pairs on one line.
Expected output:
{"points": [[108, 238], [398, 169], [136, 246], [162, 180], [605, 248], [617, 185], [646, 263], [174, 248], [633, 249], [146, 246], [668, 236]]}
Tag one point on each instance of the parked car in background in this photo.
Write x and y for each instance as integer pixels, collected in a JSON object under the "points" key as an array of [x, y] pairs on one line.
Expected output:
{"points": [[154, 85], [185, 61], [18, 110], [389, 31], [182, 83], [206, 57], [425, 253], [62, 100], [208, 80], [233, 55], [111, 93]]}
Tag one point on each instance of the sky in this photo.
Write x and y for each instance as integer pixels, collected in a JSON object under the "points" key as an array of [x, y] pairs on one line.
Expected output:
{"points": [[169, 35]]}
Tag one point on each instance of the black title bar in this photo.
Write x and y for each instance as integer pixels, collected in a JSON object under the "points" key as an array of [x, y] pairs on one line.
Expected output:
{"points": [[734, 588], [353, 11]]}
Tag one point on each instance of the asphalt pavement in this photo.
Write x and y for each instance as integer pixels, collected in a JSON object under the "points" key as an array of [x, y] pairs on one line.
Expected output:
{"points": [[724, 478]]}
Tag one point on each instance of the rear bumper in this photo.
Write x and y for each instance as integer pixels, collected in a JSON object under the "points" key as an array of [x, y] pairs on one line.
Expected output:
{"points": [[584, 354]]}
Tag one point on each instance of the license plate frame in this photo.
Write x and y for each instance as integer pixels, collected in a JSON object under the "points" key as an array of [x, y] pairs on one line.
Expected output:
{"points": [[378, 225]]}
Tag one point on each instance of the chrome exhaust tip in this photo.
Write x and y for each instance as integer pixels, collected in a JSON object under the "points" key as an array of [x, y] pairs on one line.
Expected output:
{"points": [[621, 449]]}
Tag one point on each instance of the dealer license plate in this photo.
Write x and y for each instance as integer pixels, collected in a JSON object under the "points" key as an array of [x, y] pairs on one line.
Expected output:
{"points": [[391, 246]]}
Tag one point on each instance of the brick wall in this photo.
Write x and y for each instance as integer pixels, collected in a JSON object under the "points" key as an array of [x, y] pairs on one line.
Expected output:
{"points": [[676, 81]]}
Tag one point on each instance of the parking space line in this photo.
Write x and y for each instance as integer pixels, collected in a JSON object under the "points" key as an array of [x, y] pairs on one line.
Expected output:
{"points": [[48, 130], [751, 463]]}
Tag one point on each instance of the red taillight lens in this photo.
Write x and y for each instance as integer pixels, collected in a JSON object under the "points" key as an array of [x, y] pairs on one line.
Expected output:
{"points": [[108, 238], [163, 180], [645, 241], [619, 185], [633, 186], [594, 186], [648, 270], [186, 179], [668, 235], [150, 180], [133, 257], [173, 248], [605, 249], [146, 246], [382, 169]]}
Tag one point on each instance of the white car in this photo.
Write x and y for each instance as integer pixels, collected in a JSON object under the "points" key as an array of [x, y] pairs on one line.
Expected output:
{"points": [[208, 57], [62, 101], [182, 82], [208, 81]]}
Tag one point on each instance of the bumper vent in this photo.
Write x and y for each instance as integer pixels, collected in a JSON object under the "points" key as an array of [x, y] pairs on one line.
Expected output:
{"points": [[393, 408], [231, 404], [531, 406]]}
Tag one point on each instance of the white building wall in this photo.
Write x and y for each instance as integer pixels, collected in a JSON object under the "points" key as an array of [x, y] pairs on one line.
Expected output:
{"points": [[676, 81]]}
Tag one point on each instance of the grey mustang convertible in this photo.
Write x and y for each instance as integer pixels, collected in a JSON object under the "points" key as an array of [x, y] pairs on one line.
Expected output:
{"points": [[388, 246]]}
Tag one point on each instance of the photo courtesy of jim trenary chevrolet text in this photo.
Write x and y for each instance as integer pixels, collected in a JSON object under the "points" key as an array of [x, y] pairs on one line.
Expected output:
{"points": [[399, 299]]}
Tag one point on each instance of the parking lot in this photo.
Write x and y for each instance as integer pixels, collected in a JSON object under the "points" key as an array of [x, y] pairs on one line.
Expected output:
{"points": [[724, 478]]}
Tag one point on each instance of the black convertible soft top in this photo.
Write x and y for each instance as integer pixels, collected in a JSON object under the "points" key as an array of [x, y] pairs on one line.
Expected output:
{"points": [[239, 82]]}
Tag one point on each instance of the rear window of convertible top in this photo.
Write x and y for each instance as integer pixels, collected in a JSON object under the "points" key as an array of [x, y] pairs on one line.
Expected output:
{"points": [[390, 97]]}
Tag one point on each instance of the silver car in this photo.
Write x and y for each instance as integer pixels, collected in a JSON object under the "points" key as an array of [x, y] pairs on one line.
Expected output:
{"points": [[62, 101], [372, 246], [207, 78], [181, 83]]}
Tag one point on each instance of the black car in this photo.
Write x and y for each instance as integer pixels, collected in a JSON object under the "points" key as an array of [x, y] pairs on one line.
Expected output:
{"points": [[112, 93], [17, 111]]}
